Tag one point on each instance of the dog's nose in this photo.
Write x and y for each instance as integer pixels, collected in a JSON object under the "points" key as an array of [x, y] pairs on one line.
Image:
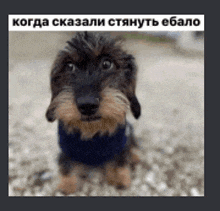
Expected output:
{"points": [[87, 105]]}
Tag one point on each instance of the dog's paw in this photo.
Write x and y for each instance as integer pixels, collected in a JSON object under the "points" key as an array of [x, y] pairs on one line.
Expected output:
{"points": [[119, 177], [134, 158], [67, 185], [123, 179]]}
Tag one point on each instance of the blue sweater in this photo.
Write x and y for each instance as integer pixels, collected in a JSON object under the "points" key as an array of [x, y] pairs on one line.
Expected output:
{"points": [[92, 152]]}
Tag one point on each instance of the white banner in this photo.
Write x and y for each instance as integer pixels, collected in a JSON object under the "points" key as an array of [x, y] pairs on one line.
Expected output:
{"points": [[106, 22]]}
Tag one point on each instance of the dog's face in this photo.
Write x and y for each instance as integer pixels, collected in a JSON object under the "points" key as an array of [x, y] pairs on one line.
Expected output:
{"points": [[93, 85]]}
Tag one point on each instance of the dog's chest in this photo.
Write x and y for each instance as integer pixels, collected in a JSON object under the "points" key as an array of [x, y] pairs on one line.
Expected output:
{"points": [[96, 151]]}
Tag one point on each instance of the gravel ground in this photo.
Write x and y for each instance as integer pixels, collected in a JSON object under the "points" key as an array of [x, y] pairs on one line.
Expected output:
{"points": [[170, 131]]}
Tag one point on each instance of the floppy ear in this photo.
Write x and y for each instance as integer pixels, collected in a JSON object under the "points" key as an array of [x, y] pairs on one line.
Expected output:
{"points": [[54, 75], [135, 107], [130, 76], [50, 114]]}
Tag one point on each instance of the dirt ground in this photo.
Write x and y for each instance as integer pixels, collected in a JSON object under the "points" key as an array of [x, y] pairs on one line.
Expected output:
{"points": [[170, 131]]}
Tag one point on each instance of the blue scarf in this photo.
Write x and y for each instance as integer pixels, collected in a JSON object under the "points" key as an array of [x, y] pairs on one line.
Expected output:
{"points": [[95, 151]]}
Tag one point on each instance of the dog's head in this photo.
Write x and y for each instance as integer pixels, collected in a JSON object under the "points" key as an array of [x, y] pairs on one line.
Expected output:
{"points": [[93, 84]]}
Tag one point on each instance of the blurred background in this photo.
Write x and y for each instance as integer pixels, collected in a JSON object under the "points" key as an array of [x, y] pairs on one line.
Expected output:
{"points": [[170, 132]]}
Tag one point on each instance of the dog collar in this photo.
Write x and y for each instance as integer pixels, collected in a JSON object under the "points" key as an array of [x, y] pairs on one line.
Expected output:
{"points": [[95, 151]]}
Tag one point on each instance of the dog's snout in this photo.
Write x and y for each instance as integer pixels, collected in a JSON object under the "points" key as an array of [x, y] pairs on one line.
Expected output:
{"points": [[87, 105]]}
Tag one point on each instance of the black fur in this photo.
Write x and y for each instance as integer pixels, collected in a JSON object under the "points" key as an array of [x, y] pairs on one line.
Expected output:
{"points": [[90, 63], [87, 51]]}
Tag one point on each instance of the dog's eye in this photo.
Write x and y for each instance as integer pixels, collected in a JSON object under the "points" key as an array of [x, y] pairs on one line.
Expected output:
{"points": [[70, 66], [107, 65]]}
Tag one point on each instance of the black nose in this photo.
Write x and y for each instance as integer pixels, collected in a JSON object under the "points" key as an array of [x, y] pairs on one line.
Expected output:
{"points": [[87, 105]]}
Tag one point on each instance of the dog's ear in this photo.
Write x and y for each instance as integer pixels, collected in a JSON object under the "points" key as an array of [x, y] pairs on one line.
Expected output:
{"points": [[130, 75], [54, 75], [50, 114], [135, 106]]}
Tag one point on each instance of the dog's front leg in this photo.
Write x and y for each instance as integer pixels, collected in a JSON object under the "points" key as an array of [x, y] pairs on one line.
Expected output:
{"points": [[118, 172], [68, 182]]}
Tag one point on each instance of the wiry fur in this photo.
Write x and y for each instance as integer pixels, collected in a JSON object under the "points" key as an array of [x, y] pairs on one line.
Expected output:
{"points": [[113, 109], [116, 87], [114, 90]]}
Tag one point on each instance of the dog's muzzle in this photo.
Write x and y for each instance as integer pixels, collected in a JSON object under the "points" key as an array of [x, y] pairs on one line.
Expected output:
{"points": [[87, 105]]}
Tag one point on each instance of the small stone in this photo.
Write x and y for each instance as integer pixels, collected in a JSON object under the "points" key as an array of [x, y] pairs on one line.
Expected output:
{"points": [[144, 193], [47, 189], [150, 177], [19, 183], [82, 194], [27, 193], [144, 188], [106, 193], [161, 187], [136, 182], [195, 192], [26, 151], [93, 193], [85, 187], [169, 150], [183, 194], [72, 195], [39, 178], [125, 193], [39, 194], [46, 176], [156, 167], [95, 177], [58, 193], [114, 192], [167, 192], [138, 169], [139, 193]]}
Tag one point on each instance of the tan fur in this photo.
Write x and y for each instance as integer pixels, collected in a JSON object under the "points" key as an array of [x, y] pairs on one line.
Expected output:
{"points": [[123, 176], [113, 108], [68, 184], [114, 104], [134, 157], [118, 176], [66, 109], [89, 129], [110, 174]]}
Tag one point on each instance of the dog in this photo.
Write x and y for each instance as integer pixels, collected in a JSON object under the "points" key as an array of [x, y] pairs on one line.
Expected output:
{"points": [[93, 83]]}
